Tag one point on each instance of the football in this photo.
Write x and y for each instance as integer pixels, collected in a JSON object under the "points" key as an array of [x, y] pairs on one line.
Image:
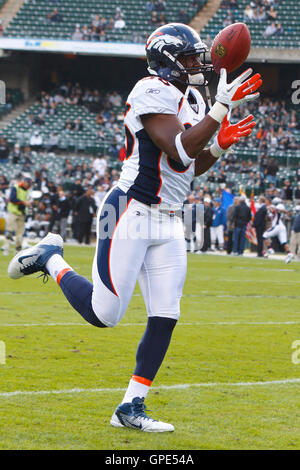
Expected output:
{"points": [[231, 47]]}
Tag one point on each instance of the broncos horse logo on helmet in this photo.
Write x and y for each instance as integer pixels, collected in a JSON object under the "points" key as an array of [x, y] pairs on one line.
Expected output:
{"points": [[170, 42]]}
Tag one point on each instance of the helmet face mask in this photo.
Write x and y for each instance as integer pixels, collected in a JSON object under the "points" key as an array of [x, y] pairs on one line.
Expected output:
{"points": [[169, 49]]}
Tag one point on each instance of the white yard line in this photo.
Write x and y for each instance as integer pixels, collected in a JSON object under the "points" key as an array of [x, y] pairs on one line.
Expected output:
{"points": [[220, 323], [160, 387]]}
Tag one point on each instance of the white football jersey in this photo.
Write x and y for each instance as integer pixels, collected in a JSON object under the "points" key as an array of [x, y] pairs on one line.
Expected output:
{"points": [[148, 174]]}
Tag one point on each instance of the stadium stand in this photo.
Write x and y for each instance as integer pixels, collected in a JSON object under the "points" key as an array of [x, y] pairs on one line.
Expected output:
{"points": [[47, 118], [13, 98], [288, 36], [33, 20]]}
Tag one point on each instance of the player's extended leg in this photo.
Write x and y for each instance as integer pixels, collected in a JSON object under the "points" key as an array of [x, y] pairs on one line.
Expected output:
{"points": [[116, 266], [161, 280]]}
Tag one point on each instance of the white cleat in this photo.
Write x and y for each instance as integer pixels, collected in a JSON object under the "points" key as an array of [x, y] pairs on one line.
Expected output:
{"points": [[132, 415], [289, 258], [34, 259]]}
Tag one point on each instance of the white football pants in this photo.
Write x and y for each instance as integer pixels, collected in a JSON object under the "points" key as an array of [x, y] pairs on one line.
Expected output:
{"points": [[279, 230], [145, 245]]}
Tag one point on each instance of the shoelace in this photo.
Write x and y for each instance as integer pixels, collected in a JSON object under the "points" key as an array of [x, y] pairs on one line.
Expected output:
{"points": [[45, 277], [139, 409]]}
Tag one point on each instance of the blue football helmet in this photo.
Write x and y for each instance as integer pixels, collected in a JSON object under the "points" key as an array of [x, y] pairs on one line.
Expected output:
{"points": [[171, 41]]}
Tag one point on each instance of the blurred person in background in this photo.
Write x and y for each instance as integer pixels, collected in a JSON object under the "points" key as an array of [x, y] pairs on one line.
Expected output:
{"points": [[295, 236], [16, 208], [85, 209], [259, 224], [230, 224], [218, 225], [242, 215], [208, 217]]}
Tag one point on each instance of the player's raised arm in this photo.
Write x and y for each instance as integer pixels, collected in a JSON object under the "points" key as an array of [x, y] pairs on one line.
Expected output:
{"points": [[168, 133], [177, 55]]}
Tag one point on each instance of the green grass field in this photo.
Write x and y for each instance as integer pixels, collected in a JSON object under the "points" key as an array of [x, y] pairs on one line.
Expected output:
{"points": [[239, 319]]}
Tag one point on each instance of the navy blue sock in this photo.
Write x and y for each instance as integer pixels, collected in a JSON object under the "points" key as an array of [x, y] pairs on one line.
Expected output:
{"points": [[153, 346], [78, 291]]}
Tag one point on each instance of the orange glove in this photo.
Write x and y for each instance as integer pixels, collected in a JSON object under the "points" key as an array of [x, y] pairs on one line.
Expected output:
{"points": [[230, 134]]}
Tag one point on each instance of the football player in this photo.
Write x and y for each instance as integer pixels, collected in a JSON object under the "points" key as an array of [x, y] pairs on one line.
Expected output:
{"points": [[167, 132], [277, 229]]}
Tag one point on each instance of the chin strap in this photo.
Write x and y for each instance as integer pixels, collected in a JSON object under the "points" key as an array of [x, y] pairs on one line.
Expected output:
{"points": [[208, 96], [196, 79]]}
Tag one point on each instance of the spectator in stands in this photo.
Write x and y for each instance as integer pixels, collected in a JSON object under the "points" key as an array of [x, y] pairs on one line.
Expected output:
{"points": [[94, 34], [183, 16], [221, 177], [119, 23], [154, 20], [36, 141], [55, 16], [138, 38], [100, 165], [270, 30], [272, 140], [211, 177], [77, 126], [241, 218], [85, 33], [16, 154], [261, 14], [271, 171], [27, 155], [150, 6], [115, 99], [279, 29], [118, 13], [102, 36], [197, 4], [53, 141], [248, 14], [77, 34], [162, 19], [4, 150], [160, 6], [208, 40], [271, 13], [233, 4], [229, 19], [225, 4], [96, 22], [68, 125]]}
